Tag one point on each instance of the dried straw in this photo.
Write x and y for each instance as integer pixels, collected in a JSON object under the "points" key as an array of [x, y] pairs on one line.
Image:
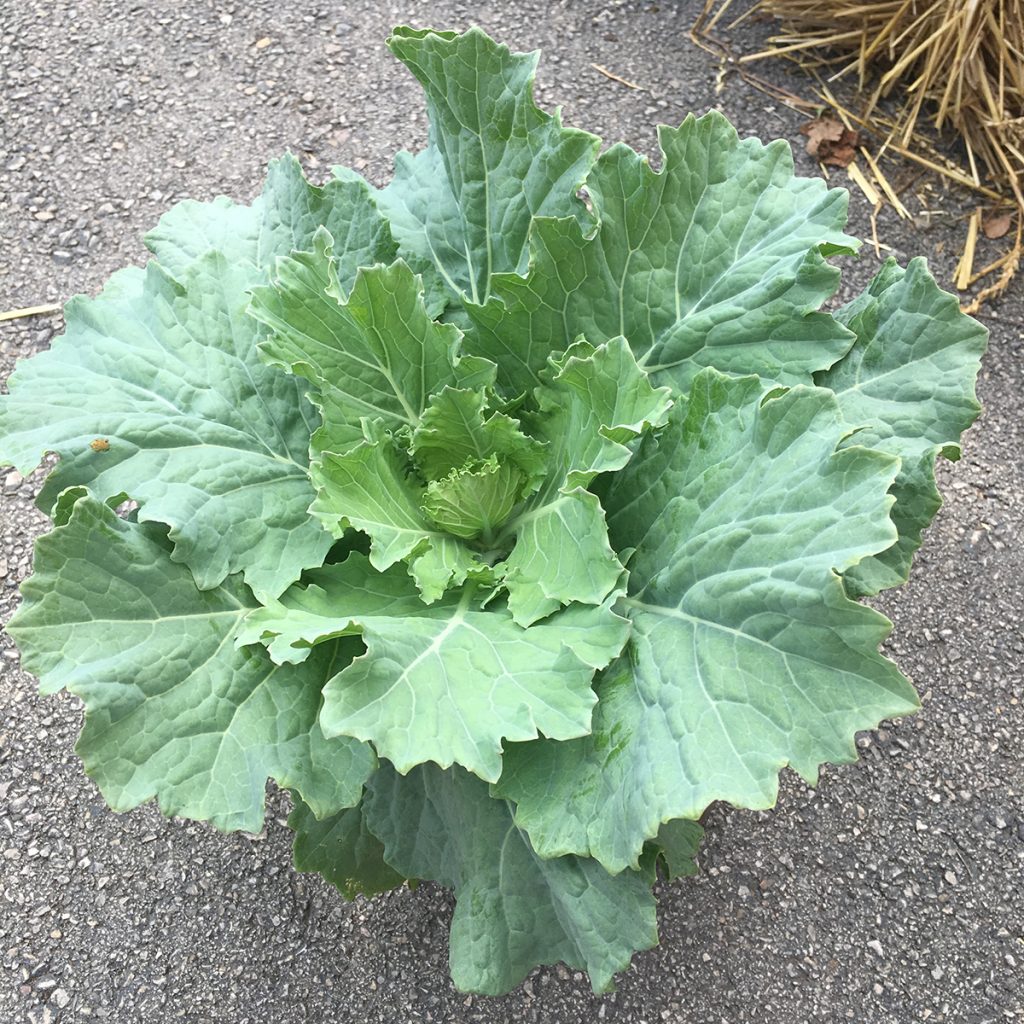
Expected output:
{"points": [[956, 63]]}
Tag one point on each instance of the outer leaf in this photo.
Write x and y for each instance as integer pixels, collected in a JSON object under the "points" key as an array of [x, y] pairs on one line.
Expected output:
{"points": [[446, 682], [190, 229], [285, 217], [196, 430], [173, 711], [596, 402], [207, 438], [342, 849], [435, 292], [909, 382], [514, 910], [716, 260], [746, 655], [677, 844], [494, 161]]}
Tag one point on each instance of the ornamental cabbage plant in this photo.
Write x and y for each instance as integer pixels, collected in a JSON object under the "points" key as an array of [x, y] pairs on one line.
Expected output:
{"points": [[508, 515]]}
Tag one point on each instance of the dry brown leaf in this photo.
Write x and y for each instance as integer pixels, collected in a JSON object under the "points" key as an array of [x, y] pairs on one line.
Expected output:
{"points": [[830, 141], [997, 225], [821, 129]]}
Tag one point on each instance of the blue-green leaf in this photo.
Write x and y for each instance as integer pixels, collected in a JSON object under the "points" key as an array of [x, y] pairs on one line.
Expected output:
{"points": [[173, 710], [514, 910], [908, 383], [157, 391], [715, 260], [342, 849], [746, 654], [446, 682], [493, 164]]}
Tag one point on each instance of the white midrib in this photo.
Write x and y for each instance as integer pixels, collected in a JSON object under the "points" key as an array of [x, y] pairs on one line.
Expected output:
{"points": [[435, 645], [671, 612]]}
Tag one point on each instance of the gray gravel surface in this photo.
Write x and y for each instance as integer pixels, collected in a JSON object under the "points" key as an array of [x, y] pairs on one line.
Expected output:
{"points": [[893, 893]]}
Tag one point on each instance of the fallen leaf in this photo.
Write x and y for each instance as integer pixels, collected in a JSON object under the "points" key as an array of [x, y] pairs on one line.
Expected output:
{"points": [[821, 129], [841, 155], [996, 225], [830, 141]]}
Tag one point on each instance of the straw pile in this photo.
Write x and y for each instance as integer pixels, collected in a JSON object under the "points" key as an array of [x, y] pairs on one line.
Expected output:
{"points": [[956, 63]]}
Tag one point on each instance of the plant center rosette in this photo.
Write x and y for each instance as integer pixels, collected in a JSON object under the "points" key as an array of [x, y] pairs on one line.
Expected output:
{"points": [[507, 531]]}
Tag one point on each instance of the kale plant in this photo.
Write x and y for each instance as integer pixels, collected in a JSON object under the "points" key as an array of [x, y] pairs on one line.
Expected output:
{"points": [[508, 515]]}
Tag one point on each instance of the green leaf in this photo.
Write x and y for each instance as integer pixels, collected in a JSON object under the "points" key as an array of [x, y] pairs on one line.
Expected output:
{"points": [[190, 229], [445, 682], [561, 555], [375, 354], [164, 370], [716, 260], [286, 216], [475, 501], [494, 161], [677, 844], [173, 710], [376, 359], [342, 849], [370, 488], [908, 382], [455, 430], [210, 442], [594, 404], [514, 910], [746, 654]]}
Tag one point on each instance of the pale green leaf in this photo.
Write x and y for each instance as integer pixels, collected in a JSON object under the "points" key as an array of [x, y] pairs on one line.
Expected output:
{"points": [[371, 489], [473, 502], [376, 358], [746, 654], [594, 403], [376, 353], [561, 554], [493, 164], [445, 682], [457, 429], [514, 910], [715, 260], [173, 710], [908, 382]]}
